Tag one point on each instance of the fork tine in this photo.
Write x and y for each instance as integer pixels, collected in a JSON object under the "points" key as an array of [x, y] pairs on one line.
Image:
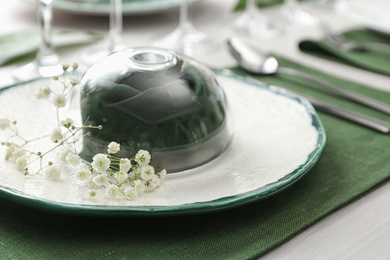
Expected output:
{"points": [[334, 37], [342, 42], [341, 38]]}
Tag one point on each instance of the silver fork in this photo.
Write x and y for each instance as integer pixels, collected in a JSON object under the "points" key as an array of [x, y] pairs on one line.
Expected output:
{"points": [[340, 41]]}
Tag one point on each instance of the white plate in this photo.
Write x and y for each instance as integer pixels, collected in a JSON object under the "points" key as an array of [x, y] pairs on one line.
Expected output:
{"points": [[372, 14], [102, 7], [278, 138]]}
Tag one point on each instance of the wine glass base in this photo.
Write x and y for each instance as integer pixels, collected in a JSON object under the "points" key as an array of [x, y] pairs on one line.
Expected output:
{"points": [[253, 24], [326, 4], [35, 70], [187, 41], [297, 16]]}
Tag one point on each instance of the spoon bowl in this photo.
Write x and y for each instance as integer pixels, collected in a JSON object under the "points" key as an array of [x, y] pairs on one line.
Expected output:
{"points": [[251, 58]]}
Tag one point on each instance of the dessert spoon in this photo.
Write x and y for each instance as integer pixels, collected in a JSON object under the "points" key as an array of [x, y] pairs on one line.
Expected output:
{"points": [[252, 60]]}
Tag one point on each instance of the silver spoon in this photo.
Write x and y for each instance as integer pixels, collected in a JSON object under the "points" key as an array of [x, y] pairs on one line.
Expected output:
{"points": [[254, 61]]}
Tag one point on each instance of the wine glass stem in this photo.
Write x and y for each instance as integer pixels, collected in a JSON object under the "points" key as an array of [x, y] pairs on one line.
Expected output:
{"points": [[184, 21], [291, 3], [251, 6], [46, 50], [116, 24]]}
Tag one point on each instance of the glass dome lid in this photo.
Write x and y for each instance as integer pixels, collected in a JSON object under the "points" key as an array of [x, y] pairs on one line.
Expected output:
{"points": [[156, 100]]}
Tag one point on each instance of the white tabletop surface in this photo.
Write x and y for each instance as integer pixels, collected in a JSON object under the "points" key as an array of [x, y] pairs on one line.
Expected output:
{"points": [[360, 230]]}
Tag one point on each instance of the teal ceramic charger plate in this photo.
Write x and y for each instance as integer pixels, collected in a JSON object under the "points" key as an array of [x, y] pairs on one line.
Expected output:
{"points": [[102, 7], [278, 137]]}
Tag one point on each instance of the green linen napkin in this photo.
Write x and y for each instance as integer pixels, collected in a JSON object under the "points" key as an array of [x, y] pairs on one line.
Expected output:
{"points": [[21, 46], [376, 61], [355, 161]]}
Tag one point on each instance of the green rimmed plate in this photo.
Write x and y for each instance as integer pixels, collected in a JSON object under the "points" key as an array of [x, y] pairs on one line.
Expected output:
{"points": [[102, 7], [278, 138]]}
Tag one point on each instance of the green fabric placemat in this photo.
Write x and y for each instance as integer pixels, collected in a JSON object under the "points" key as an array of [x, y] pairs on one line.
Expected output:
{"points": [[354, 162], [376, 61], [22, 46]]}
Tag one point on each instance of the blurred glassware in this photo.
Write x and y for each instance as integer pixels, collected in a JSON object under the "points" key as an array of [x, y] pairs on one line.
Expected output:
{"points": [[46, 62], [252, 23], [185, 39], [115, 42], [326, 4], [293, 13]]}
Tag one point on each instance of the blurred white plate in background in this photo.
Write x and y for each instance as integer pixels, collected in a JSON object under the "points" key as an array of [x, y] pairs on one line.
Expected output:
{"points": [[102, 7], [372, 14]]}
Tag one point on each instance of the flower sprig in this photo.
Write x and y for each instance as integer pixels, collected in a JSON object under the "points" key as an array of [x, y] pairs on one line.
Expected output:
{"points": [[17, 152], [59, 98], [120, 177]]}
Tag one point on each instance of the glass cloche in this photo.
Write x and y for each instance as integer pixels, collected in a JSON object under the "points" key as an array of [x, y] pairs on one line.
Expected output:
{"points": [[156, 100]]}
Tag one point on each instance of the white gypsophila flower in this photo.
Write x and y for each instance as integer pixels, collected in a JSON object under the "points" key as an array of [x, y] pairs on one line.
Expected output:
{"points": [[120, 176], [142, 158], [139, 186], [157, 180], [112, 191], [130, 193], [56, 135], [113, 147], [4, 123], [75, 80], [75, 65], [131, 175], [53, 172], [147, 172], [21, 163], [72, 159], [89, 182], [8, 153], [10, 148], [152, 184], [124, 165], [83, 175], [62, 155], [101, 180], [38, 93], [43, 92], [162, 174], [17, 152], [67, 122], [100, 163], [59, 100], [92, 194]]}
